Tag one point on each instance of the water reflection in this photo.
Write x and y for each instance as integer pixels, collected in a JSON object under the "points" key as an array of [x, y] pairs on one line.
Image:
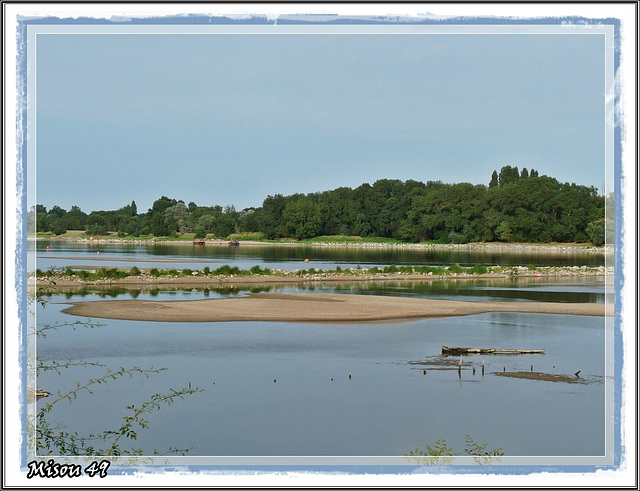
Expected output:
{"points": [[278, 257], [388, 407], [580, 290]]}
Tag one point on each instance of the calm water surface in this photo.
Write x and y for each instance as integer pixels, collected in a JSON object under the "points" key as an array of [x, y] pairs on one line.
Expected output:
{"points": [[63, 254], [284, 388]]}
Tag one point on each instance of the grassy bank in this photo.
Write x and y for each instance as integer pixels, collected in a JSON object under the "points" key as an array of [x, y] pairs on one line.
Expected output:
{"points": [[256, 273]]}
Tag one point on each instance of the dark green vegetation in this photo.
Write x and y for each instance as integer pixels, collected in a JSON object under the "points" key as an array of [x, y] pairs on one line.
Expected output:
{"points": [[107, 275], [516, 206]]}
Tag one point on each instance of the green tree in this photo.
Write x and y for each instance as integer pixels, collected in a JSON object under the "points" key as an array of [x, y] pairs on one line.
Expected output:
{"points": [[175, 218], [494, 179], [227, 222], [302, 218], [596, 231], [270, 216], [508, 175]]}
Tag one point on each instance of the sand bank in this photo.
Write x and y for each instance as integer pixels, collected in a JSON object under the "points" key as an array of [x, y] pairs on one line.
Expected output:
{"points": [[303, 307]]}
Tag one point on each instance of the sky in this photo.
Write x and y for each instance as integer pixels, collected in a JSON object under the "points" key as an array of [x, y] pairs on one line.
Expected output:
{"points": [[230, 119]]}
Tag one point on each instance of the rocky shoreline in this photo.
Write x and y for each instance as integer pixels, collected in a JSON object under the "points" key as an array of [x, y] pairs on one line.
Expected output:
{"points": [[200, 279]]}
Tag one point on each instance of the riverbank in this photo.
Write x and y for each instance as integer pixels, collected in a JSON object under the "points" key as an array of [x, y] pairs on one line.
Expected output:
{"points": [[308, 307], [144, 278]]}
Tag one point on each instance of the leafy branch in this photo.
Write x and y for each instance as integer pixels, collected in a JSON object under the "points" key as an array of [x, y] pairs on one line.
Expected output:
{"points": [[479, 452], [73, 393], [41, 331], [68, 443], [57, 438], [154, 403], [57, 366], [441, 454]]}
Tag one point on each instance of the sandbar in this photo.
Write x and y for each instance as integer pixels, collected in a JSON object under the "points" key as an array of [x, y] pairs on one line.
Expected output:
{"points": [[313, 307]]}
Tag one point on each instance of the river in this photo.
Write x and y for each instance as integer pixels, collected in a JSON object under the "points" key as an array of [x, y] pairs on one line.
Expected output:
{"points": [[352, 390]]}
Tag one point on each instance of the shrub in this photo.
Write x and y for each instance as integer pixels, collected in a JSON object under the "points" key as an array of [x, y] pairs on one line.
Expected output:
{"points": [[154, 272], [134, 271], [457, 238], [97, 230], [456, 268], [247, 236], [596, 230]]}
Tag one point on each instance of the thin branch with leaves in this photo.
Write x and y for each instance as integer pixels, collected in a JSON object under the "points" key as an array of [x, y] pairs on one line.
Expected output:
{"points": [[57, 438], [441, 454]]}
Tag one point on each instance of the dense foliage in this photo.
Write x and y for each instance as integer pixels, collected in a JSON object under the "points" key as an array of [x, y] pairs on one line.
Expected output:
{"points": [[515, 207]]}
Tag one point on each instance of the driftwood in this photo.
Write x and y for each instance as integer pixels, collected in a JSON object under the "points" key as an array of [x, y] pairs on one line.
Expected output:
{"points": [[447, 350], [34, 395]]}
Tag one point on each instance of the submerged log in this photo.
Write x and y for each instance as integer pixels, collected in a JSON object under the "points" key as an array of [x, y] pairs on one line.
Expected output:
{"points": [[447, 350]]}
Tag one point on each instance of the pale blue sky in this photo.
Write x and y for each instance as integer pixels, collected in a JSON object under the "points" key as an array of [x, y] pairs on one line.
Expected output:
{"points": [[230, 119]]}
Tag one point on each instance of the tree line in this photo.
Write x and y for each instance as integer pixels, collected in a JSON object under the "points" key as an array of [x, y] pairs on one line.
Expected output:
{"points": [[516, 206]]}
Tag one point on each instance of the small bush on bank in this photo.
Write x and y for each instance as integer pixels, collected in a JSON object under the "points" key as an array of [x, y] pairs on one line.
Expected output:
{"points": [[455, 269], [478, 269]]}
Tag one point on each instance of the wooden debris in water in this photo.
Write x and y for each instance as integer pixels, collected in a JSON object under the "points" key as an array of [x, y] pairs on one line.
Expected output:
{"points": [[34, 395], [447, 350], [547, 377]]}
